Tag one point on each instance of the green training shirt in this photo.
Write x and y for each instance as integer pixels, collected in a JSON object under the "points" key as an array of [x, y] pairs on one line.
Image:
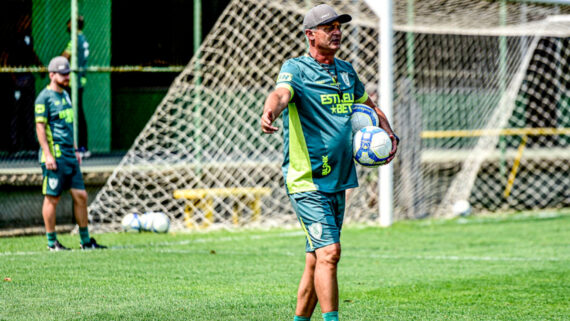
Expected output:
{"points": [[82, 55], [55, 110], [316, 124]]}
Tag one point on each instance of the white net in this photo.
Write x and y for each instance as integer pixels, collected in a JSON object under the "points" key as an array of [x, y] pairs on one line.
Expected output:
{"points": [[474, 81]]}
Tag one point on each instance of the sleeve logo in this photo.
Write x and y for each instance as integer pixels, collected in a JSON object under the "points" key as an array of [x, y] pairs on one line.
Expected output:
{"points": [[40, 108], [285, 76]]}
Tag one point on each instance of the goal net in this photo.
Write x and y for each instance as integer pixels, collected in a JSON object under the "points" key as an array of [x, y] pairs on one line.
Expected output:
{"points": [[481, 105]]}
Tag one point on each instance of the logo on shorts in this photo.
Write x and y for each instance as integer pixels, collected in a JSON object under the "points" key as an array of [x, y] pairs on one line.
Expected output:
{"points": [[316, 230], [52, 182]]}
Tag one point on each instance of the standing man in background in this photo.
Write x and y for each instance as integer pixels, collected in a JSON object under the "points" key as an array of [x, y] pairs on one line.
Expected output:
{"points": [[20, 53], [59, 157], [82, 55], [315, 92]]}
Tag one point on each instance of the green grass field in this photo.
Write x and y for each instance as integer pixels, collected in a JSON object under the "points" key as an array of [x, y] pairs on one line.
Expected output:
{"points": [[502, 267]]}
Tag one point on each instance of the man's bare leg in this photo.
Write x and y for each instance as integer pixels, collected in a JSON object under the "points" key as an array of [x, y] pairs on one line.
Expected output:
{"points": [[48, 212], [326, 284], [307, 296], [80, 206]]}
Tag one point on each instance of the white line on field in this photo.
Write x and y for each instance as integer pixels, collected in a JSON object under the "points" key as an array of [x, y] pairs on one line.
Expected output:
{"points": [[185, 242], [214, 240], [460, 258], [388, 257], [159, 247]]}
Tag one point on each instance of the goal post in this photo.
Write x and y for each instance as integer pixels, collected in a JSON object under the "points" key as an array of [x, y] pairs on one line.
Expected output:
{"points": [[383, 9], [480, 99]]}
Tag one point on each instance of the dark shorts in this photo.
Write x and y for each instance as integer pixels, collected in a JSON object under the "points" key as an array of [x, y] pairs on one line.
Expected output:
{"points": [[320, 215], [68, 175]]}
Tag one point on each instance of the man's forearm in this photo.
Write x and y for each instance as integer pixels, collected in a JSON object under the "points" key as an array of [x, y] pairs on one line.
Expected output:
{"points": [[42, 138], [275, 104]]}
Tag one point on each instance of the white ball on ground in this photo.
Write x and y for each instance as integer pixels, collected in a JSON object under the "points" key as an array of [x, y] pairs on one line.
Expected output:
{"points": [[461, 208], [160, 223], [146, 222], [130, 223]]}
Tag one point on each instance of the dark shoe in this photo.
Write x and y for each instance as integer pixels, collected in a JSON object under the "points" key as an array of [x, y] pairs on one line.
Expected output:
{"points": [[92, 245], [84, 152], [57, 247]]}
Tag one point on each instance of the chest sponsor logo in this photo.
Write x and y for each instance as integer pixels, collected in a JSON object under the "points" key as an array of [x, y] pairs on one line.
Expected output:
{"points": [[338, 105], [316, 230], [66, 114], [52, 182], [285, 76]]}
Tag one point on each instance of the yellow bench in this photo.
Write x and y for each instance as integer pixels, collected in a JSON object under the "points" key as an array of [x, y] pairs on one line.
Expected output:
{"points": [[203, 199]]}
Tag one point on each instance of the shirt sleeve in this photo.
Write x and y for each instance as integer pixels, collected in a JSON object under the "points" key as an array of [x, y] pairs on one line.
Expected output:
{"points": [[360, 93], [288, 78], [68, 48], [40, 110]]}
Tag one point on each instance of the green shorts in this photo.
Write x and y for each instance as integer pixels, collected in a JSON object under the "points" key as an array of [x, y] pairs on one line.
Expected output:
{"points": [[68, 175], [320, 215]]}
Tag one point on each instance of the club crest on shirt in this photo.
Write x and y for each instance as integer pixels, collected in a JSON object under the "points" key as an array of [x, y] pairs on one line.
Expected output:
{"points": [[316, 230], [345, 78], [52, 182]]}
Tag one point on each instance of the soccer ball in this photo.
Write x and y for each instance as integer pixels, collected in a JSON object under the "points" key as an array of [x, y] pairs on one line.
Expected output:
{"points": [[362, 116], [371, 146], [130, 223], [146, 222], [159, 222], [461, 208]]}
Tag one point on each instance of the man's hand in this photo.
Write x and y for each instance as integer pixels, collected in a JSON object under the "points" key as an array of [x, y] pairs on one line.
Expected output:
{"points": [[266, 121], [51, 164], [395, 141], [274, 105], [78, 156]]}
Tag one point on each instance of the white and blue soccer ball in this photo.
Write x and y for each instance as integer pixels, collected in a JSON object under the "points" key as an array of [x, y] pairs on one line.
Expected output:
{"points": [[371, 146], [131, 223], [362, 116], [159, 222], [146, 222]]}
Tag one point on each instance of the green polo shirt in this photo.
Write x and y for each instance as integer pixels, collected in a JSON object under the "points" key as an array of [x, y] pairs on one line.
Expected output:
{"points": [[316, 124], [55, 110]]}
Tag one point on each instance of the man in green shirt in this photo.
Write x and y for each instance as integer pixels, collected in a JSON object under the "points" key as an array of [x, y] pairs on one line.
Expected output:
{"points": [[315, 93], [58, 155]]}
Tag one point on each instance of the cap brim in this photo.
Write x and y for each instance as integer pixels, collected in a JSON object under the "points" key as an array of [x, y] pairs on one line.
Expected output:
{"points": [[63, 72], [343, 18]]}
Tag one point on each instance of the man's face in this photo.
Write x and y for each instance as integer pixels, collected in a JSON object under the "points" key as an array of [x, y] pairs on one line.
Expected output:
{"points": [[328, 36], [62, 80]]}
